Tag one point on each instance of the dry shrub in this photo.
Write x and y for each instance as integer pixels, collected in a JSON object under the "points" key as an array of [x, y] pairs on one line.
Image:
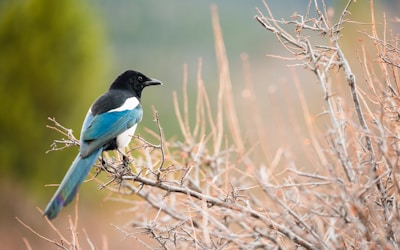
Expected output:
{"points": [[208, 192]]}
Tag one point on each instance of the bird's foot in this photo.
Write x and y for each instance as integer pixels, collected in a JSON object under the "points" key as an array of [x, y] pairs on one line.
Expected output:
{"points": [[103, 161], [125, 160]]}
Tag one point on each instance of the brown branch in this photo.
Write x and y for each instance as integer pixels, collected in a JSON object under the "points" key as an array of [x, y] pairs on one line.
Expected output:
{"points": [[214, 201], [40, 235]]}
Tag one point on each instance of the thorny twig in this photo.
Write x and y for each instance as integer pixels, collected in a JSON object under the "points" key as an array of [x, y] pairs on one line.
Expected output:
{"points": [[319, 60], [71, 141], [161, 146]]}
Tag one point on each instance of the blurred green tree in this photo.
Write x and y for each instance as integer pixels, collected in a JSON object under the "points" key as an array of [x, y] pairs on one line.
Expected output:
{"points": [[52, 56]]}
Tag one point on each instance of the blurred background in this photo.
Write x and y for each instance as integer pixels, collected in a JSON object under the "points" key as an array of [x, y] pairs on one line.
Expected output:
{"points": [[56, 57]]}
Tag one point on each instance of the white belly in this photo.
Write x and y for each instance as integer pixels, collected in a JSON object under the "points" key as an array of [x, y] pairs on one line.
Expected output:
{"points": [[125, 138]]}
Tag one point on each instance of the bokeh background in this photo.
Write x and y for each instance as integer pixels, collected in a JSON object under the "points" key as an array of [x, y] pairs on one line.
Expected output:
{"points": [[56, 57]]}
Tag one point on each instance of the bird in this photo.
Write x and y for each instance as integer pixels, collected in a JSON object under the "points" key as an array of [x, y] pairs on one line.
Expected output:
{"points": [[109, 124]]}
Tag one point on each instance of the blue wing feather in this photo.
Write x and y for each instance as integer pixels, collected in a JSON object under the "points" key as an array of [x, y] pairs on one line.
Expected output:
{"points": [[100, 129]]}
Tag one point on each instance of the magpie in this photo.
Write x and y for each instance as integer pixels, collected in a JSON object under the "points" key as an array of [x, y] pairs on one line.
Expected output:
{"points": [[109, 125]]}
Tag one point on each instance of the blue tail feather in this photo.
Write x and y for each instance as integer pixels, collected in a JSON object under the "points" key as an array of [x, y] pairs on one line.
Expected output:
{"points": [[76, 174]]}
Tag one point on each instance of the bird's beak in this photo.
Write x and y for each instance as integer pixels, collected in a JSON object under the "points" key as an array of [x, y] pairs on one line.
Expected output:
{"points": [[153, 81]]}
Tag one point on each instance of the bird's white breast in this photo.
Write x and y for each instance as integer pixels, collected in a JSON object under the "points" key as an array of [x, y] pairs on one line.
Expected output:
{"points": [[125, 138]]}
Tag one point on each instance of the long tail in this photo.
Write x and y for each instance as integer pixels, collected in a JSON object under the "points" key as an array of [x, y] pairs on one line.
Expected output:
{"points": [[76, 174]]}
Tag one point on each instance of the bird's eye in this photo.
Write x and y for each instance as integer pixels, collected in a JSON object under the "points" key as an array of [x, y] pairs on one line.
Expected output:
{"points": [[140, 78]]}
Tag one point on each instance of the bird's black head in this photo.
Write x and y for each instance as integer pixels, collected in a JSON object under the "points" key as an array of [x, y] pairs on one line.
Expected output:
{"points": [[134, 82]]}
